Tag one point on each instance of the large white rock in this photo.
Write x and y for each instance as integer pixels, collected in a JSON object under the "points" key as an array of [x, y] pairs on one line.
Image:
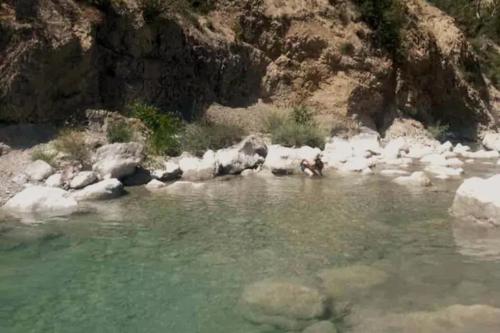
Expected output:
{"points": [[39, 170], [337, 151], [417, 179], [441, 160], [82, 179], [479, 199], [356, 164], [198, 169], [282, 160], [248, 154], [106, 189], [41, 199], [492, 141], [117, 160], [283, 304], [480, 154], [56, 180], [461, 149], [394, 149], [366, 143]]}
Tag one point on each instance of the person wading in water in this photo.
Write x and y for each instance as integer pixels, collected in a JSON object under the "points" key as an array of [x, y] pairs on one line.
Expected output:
{"points": [[314, 168]]}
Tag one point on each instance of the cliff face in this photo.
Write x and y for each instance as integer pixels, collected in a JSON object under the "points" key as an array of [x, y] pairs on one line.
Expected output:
{"points": [[59, 57]]}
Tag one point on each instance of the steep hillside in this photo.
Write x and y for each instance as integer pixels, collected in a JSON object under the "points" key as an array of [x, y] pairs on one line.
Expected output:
{"points": [[373, 59]]}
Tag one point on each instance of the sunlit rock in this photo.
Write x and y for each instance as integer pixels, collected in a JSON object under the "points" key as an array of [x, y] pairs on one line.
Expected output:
{"points": [[41, 199], [392, 173], [82, 179], [492, 141], [103, 190], [56, 180], [39, 170], [248, 154], [479, 199], [155, 185], [198, 169], [283, 160], [117, 160], [417, 179]]}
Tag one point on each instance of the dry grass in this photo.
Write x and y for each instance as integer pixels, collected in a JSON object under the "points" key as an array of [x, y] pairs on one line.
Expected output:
{"points": [[72, 143]]}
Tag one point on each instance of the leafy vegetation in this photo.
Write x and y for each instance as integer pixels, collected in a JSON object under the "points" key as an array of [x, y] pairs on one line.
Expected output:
{"points": [[297, 130], [44, 155], [72, 143], [201, 136], [119, 131], [387, 19], [164, 127]]}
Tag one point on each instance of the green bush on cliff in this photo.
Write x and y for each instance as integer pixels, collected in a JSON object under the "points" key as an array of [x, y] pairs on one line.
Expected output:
{"points": [[297, 130], [164, 127], [201, 136], [387, 19]]}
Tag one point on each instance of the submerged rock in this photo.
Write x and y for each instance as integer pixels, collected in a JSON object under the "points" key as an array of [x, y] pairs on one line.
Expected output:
{"points": [[41, 199], [39, 170], [391, 173], [117, 160], [321, 327], [444, 172], [479, 199], [418, 179], [351, 280], [481, 154], [452, 319], [106, 189], [283, 304]]}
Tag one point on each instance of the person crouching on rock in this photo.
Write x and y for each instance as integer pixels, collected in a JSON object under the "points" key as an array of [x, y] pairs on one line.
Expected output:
{"points": [[314, 168]]}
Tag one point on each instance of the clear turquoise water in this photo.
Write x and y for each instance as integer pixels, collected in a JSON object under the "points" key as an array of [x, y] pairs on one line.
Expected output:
{"points": [[178, 262]]}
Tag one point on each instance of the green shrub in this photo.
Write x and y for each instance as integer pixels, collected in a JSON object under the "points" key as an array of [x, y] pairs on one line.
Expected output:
{"points": [[387, 19], [72, 143], [164, 128], [439, 131], [302, 115], [44, 155], [199, 137], [292, 134], [346, 48], [296, 130], [119, 131]]}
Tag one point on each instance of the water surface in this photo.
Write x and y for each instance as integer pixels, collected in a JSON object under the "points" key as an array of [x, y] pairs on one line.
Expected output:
{"points": [[178, 262]]}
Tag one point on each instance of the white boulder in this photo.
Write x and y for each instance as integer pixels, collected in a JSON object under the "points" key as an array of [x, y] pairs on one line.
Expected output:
{"points": [[198, 169], [492, 141], [39, 170], [480, 154], [337, 151], [117, 160], [56, 180], [394, 149], [417, 179], [103, 190], [41, 199], [248, 154], [283, 160], [461, 149], [479, 199], [82, 179]]}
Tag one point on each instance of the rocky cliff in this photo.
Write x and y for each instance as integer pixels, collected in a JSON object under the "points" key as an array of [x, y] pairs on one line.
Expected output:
{"points": [[60, 57]]}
